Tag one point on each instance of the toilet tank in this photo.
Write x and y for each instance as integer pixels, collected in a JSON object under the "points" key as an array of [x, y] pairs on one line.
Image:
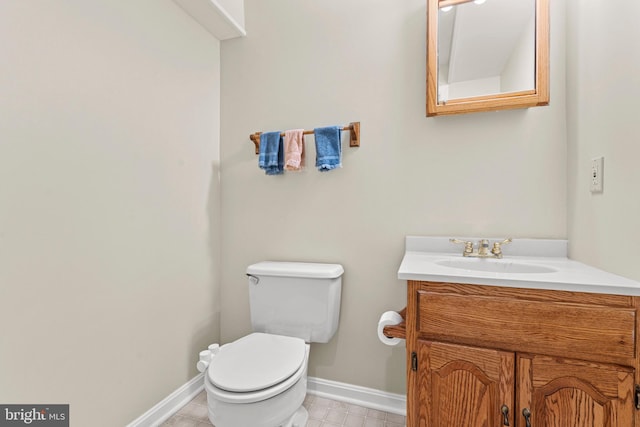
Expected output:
{"points": [[296, 299]]}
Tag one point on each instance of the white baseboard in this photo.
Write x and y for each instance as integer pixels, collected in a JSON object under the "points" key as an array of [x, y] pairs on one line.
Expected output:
{"points": [[170, 404], [362, 396], [357, 395]]}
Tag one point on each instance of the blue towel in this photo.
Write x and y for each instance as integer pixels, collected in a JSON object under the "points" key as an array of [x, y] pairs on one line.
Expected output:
{"points": [[328, 148], [271, 157]]}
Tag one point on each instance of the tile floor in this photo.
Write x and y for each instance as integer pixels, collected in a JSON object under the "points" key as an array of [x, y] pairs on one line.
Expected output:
{"points": [[322, 413]]}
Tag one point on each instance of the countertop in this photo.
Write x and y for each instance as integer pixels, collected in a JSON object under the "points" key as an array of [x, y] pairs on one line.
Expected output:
{"points": [[422, 255]]}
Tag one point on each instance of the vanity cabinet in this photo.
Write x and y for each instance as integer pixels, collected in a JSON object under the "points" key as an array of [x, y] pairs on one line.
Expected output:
{"points": [[495, 356]]}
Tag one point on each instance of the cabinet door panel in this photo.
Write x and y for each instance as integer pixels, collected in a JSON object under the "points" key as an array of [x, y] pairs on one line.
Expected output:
{"points": [[571, 393], [463, 386]]}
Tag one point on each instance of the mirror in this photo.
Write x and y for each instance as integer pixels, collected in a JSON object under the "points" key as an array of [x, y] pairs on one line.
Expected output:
{"points": [[485, 55]]}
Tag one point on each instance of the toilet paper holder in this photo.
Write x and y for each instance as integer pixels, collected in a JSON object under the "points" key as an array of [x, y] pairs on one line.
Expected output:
{"points": [[399, 330]]}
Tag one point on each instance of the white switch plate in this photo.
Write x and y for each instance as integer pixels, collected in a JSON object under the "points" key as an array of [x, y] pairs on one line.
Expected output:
{"points": [[597, 174]]}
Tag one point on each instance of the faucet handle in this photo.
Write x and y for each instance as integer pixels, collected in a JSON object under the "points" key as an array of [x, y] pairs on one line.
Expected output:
{"points": [[454, 240], [468, 246], [497, 247]]}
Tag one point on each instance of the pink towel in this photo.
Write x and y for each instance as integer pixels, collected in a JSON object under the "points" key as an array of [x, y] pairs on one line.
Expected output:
{"points": [[294, 149]]}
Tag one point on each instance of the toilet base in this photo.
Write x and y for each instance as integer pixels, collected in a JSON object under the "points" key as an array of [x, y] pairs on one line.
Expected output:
{"points": [[299, 419]]}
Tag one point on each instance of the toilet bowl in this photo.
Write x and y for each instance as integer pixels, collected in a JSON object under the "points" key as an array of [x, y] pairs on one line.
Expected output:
{"points": [[259, 380]]}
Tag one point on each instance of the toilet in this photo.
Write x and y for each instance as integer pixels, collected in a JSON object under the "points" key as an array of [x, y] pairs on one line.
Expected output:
{"points": [[260, 380]]}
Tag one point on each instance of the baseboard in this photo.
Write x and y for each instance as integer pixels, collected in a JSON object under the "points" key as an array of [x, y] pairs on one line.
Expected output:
{"points": [[357, 395], [362, 396], [170, 404]]}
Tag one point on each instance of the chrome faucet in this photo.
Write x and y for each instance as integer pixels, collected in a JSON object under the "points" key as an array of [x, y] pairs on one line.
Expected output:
{"points": [[483, 248]]}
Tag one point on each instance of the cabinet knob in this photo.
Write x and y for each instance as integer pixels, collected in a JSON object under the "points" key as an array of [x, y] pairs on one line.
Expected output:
{"points": [[526, 413], [505, 413]]}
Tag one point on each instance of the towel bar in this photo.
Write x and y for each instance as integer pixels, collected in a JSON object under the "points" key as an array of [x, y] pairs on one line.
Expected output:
{"points": [[353, 127]]}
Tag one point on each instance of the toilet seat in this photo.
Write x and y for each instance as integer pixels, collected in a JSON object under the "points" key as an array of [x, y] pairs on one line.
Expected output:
{"points": [[257, 367]]}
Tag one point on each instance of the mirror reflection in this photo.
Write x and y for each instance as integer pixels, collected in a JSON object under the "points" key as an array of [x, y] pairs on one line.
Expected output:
{"points": [[486, 47]]}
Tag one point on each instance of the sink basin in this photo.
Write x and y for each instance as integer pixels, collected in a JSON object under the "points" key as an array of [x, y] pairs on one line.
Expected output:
{"points": [[495, 266]]}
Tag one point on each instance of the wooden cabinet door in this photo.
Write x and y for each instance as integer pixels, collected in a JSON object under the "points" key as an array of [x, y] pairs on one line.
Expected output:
{"points": [[463, 386], [569, 393]]}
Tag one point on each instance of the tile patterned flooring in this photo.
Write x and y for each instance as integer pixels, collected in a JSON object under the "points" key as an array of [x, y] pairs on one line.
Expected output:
{"points": [[322, 413]]}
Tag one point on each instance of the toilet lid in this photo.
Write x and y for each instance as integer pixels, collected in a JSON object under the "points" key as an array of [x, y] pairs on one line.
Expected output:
{"points": [[256, 362]]}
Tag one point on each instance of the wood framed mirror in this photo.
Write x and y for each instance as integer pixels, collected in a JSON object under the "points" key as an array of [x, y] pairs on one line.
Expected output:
{"points": [[486, 55]]}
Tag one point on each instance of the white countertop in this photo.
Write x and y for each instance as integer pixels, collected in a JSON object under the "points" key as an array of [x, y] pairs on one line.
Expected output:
{"points": [[423, 254]]}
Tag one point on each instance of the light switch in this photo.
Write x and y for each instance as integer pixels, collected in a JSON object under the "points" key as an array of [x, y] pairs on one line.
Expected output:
{"points": [[597, 174]]}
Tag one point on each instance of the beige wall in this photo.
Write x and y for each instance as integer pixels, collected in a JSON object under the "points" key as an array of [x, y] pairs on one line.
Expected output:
{"points": [[603, 92], [314, 63], [109, 203]]}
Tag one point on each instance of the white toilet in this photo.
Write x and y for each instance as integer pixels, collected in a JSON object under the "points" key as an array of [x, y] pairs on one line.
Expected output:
{"points": [[260, 380]]}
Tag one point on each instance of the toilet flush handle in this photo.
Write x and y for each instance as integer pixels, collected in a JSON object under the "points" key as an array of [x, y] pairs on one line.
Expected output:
{"points": [[254, 280]]}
